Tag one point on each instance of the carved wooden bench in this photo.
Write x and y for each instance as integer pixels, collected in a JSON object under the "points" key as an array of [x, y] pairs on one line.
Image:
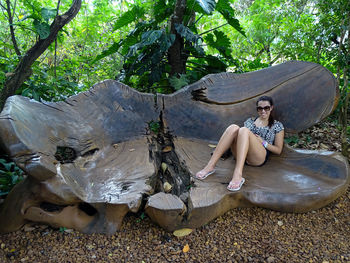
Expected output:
{"points": [[110, 150]]}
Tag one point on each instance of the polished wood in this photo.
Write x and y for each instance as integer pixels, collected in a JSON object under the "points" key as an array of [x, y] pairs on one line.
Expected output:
{"points": [[98, 155], [296, 181]]}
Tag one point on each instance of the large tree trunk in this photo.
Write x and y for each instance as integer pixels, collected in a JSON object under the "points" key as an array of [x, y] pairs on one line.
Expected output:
{"points": [[23, 69], [94, 156], [177, 58]]}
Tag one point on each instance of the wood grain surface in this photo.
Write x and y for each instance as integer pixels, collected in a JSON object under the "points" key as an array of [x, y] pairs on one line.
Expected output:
{"points": [[95, 157]]}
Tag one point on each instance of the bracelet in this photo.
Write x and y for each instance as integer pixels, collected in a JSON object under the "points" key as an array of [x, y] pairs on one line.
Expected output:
{"points": [[265, 144]]}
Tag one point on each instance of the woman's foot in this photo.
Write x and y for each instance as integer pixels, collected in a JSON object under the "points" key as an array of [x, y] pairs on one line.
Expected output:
{"points": [[202, 174], [234, 185]]}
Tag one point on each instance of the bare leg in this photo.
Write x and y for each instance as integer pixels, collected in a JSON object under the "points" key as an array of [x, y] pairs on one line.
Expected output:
{"points": [[249, 148], [225, 142]]}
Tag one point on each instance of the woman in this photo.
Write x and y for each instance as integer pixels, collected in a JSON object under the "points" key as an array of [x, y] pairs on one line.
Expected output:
{"points": [[250, 144]]}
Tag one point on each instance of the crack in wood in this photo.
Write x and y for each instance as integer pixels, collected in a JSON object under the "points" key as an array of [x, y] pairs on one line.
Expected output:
{"points": [[169, 169]]}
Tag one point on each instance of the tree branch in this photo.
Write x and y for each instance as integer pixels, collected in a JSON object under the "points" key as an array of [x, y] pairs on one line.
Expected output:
{"points": [[55, 63], [23, 69], [12, 30], [213, 29]]}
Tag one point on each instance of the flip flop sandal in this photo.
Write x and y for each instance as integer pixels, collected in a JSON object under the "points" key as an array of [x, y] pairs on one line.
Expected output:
{"points": [[237, 188], [204, 176]]}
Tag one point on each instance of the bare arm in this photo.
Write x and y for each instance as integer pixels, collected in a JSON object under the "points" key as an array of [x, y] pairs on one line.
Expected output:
{"points": [[278, 145]]}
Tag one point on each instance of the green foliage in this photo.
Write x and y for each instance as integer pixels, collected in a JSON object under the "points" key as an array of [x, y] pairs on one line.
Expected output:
{"points": [[146, 47], [226, 10], [292, 140], [146, 58], [141, 217], [41, 17], [178, 83], [10, 175], [208, 6], [154, 126], [42, 28], [48, 14], [222, 43], [43, 86], [186, 33], [62, 229], [128, 17]]}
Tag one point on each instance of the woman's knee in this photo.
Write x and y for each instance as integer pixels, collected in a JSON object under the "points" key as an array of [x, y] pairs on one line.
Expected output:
{"points": [[232, 129], [243, 131]]}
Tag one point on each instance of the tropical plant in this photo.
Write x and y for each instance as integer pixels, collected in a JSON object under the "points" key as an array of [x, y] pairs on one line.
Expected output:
{"points": [[166, 49], [10, 175]]}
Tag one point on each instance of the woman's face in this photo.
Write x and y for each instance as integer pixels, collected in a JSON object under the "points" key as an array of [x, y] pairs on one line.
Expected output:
{"points": [[264, 109]]}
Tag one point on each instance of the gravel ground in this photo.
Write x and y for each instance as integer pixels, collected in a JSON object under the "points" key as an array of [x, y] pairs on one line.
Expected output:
{"points": [[241, 235]]}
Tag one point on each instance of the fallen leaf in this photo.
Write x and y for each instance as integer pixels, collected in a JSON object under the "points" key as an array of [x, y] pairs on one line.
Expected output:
{"points": [[280, 223], [131, 150], [186, 248], [182, 232], [28, 228], [167, 149], [323, 146], [167, 187], [164, 167]]}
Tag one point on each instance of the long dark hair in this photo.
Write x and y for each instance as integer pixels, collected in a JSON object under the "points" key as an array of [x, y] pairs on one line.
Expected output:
{"points": [[269, 99]]}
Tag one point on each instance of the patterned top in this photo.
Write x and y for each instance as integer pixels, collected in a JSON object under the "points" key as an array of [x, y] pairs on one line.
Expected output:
{"points": [[268, 134]]}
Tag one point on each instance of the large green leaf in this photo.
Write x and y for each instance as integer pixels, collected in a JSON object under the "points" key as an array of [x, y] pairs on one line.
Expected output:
{"points": [[215, 64], [156, 74], [149, 37], [133, 50], [178, 83], [224, 5], [162, 10], [111, 50], [166, 41], [234, 22], [127, 43], [42, 28], [226, 10], [222, 43], [186, 33], [47, 14], [129, 17], [208, 6]]}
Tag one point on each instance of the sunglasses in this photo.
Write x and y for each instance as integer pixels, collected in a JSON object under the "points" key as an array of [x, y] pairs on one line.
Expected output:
{"points": [[266, 108]]}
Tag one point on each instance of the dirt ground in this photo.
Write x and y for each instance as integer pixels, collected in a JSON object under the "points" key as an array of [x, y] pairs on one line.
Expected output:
{"points": [[240, 235]]}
